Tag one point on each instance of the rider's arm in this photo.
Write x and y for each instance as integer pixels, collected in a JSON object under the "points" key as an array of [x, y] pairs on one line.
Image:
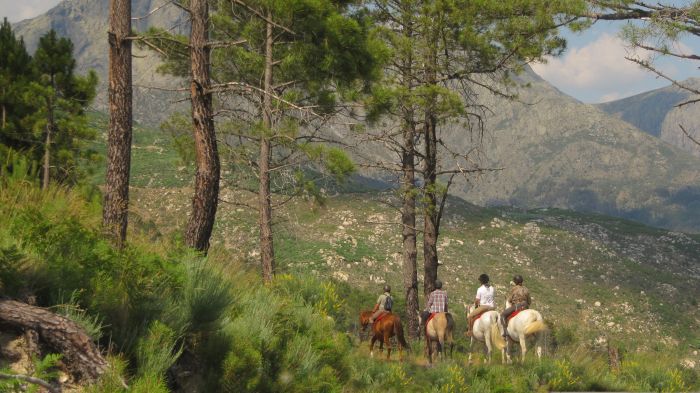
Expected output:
{"points": [[376, 307], [429, 302]]}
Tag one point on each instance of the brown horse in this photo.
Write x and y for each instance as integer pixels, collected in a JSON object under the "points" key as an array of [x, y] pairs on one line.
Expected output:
{"points": [[438, 332], [382, 330]]}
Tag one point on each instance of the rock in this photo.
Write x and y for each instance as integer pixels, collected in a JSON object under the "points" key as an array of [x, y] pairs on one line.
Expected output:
{"points": [[597, 304]]}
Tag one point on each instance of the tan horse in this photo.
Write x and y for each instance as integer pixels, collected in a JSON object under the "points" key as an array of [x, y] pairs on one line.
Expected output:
{"points": [[383, 330], [487, 329], [526, 324], [438, 332]]}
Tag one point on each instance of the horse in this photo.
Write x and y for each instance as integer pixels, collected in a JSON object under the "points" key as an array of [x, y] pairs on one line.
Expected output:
{"points": [[522, 326], [487, 329], [383, 330], [438, 331]]}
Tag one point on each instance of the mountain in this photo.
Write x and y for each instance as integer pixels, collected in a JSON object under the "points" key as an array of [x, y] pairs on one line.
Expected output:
{"points": [[551, 150], [555, 151], [655, 112], [85, 23]]}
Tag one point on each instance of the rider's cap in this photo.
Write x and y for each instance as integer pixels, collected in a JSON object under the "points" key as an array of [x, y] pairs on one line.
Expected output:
{"points": [[518, 279], [387, 288], [438, 284]]}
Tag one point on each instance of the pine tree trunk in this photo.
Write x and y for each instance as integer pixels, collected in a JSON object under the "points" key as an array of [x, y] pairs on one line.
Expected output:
{"points": [[206, 189], [430, 225], [408, 220], [4, 110], [116, 199], [430, 210], [267, 251], [61, 334], [47, 145]]}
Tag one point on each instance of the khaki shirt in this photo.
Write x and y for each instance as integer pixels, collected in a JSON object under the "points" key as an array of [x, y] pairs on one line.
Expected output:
{"points": [[519, 294], [381, 300]]}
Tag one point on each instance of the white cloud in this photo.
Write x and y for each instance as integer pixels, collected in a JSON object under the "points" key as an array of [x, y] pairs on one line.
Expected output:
{"points": [[17, 10], [599, 65]]}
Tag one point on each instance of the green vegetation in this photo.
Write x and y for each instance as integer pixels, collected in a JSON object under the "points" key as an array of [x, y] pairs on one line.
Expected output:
{"points": [[43, 108], [163, 308]]}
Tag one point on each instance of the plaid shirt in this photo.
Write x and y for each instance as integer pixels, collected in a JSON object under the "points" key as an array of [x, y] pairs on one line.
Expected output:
{"points": [[437, 301]]}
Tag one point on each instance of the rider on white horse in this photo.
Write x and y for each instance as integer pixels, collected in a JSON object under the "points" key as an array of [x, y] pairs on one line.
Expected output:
{"points": [[519, 299], [485, 301]]}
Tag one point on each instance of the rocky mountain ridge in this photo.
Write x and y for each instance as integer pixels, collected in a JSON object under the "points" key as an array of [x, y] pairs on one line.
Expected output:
{"points": [[657, 113]]}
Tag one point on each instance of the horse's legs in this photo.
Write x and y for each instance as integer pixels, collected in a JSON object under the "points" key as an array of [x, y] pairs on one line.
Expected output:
{"points": [[487, 340], [371, 345], [506, 350], [471, 348], [523, 347], [387, 341]]}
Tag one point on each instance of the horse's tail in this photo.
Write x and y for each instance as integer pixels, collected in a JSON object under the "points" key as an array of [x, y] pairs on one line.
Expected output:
{"points": [[496, 338], [450, 326], [398, 331], [535, 327]]}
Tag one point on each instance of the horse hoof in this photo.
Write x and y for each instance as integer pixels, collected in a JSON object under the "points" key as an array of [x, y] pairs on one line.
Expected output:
{"points": [[371, 354]]}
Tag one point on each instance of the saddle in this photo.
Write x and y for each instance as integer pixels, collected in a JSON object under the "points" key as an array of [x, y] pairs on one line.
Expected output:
{"points": [[382, 315]]}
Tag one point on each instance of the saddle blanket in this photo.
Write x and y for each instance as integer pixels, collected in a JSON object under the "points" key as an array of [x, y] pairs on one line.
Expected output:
{"points": [[516, 312], [382, 315]]}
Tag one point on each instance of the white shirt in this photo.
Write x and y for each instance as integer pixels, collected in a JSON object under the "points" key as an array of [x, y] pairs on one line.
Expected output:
{"points": [[486, 296]]}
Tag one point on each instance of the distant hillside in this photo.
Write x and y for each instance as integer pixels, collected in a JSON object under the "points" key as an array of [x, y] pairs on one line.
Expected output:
{"points": [[85, 23], [558, 152], [655, 112]]}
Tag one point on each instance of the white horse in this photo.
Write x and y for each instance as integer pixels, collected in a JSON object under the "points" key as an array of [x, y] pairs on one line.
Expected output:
{"points": [[487, 329], [526, 324]]}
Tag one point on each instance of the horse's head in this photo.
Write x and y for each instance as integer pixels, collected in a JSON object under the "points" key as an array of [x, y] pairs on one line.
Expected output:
{"points": [[364, 318]]}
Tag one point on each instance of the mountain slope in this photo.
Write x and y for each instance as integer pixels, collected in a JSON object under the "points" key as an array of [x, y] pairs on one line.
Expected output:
{"points": [[558, 152], [85, 23], [655, 112]]}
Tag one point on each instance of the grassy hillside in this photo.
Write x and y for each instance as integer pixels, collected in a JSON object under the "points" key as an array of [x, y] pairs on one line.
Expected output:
{"points": [[600, 275]]}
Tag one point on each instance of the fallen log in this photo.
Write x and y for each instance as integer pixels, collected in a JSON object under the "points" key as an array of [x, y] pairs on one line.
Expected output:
{"points": [[81, 356]]}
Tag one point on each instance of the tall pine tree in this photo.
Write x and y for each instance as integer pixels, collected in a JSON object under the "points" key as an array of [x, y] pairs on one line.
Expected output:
{"points": [[60, 99]]}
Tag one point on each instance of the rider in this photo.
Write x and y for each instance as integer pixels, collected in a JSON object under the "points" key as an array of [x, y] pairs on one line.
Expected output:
{"points": [[519, 299], [381, 305], [437, 302], [484, 301]]}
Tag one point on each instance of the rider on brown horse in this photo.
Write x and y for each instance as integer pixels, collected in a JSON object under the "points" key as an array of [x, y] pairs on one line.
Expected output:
{"points": [[519, 299], [384, 303], [485, 301]]}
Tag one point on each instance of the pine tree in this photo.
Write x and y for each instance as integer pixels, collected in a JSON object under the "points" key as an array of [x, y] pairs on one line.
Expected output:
{"points": [[308, 53], [115, 213], [60, 99], [15, 73]]}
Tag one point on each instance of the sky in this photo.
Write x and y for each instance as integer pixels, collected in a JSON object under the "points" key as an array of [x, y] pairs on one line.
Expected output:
{"points": [[592, 69]]}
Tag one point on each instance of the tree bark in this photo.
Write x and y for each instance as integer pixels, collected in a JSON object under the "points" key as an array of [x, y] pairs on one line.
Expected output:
{"points": [[116, 199], [430, 225], [408, 220], [430, 209], [61, 334], [206, 190], [4, 110], [47, 146], [267, 251]]}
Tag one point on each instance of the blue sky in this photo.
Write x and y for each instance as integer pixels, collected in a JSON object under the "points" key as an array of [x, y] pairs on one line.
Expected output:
{"points": [[593, 68]]}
